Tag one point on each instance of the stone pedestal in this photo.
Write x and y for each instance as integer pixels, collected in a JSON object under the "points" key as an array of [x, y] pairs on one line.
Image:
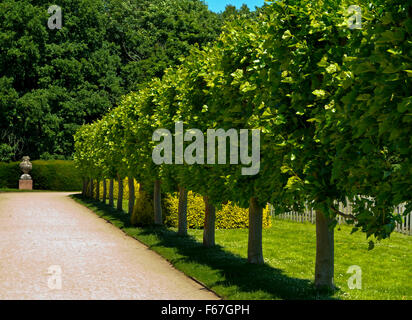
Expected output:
{"points": [[25, 184]]}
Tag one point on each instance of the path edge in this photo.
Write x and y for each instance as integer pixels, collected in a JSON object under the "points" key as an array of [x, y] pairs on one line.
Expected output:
{"points": [[78, 201]]}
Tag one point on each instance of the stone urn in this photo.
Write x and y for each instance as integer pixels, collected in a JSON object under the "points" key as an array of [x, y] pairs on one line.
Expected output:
{"points": [[26, 183], [26, 167]]}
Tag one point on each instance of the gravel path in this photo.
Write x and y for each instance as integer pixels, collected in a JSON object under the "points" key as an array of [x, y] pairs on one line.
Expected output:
{"points": [[54, 248]]}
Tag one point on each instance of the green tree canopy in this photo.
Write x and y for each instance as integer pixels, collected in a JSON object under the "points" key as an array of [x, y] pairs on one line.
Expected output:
{"points": [[53, 81]]}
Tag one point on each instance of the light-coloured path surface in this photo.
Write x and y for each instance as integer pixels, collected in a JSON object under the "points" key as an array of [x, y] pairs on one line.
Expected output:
{"points": [[42, 232]]}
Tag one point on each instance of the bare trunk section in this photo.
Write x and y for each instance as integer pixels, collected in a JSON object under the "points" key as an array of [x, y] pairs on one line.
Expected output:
{"points": [[182, 229], [120, 195], [254, 250], [91, 188], [84, 188], [209, 227], [104, 190], [324, 269], [131, 194], [88, 181], [111, 197], [97, 189], [157, 203]]}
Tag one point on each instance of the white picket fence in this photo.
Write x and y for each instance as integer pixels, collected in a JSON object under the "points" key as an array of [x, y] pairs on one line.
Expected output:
{"points": [[309, 216]]}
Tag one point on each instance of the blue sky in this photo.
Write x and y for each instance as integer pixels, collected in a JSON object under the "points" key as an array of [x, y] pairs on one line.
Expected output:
{"points": [[219, 5]]}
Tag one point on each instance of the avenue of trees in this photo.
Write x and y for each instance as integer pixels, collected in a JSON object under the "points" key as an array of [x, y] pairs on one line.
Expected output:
{"points": [[333, 106], [54, 81]]}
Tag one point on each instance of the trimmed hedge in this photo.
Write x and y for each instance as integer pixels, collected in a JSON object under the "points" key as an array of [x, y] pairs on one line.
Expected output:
{"points": [[54, 175], [9, 175]]}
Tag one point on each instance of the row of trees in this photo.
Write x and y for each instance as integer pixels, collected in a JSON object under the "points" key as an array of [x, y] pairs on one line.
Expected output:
{"points": [[332, 104]]}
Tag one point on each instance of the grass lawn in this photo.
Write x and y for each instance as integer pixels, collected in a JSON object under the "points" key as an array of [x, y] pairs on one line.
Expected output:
{"points": [[289, 251]]}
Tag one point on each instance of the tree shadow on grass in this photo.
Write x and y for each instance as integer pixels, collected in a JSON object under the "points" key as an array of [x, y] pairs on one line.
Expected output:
{"points": [[215, 267]]}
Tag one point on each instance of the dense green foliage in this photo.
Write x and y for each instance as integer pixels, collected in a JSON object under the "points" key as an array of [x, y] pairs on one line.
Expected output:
{"points": [[54, 81], [9, 175], [52, 175], [154, 34], [373, 147]]}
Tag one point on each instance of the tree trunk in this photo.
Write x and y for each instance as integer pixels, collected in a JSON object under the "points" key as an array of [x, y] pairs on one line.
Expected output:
{"points": [[111, 197], [254, 250], [84, 189], [157, 203], [104, 190], [91, 188], [182, 230], [97, 189], [131, 195], [324, 268], [209, 227], [88, 181], [120, 195]]}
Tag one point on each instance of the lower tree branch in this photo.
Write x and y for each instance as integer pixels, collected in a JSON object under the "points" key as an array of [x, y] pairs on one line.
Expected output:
{"points": [[347, 216]]}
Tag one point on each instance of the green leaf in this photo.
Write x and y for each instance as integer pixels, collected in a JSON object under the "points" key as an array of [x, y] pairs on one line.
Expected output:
{"points": [[319, 93], [314, 120], [364, 67], [332, 68], [404, 105], [409, 72]]}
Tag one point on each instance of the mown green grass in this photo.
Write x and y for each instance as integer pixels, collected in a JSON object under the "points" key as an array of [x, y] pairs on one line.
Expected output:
{"points": [[289, 251]]}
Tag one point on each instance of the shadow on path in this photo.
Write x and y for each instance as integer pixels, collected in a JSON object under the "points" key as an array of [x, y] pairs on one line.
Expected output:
{"points": [[215, 267]]}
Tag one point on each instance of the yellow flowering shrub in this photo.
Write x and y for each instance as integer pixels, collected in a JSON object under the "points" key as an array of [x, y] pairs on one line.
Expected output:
{"points": [[116, 188], [228, 217], [143, 209]]}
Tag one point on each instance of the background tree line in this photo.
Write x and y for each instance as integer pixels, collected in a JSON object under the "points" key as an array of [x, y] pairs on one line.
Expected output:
{"points": [[54, 81]]}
